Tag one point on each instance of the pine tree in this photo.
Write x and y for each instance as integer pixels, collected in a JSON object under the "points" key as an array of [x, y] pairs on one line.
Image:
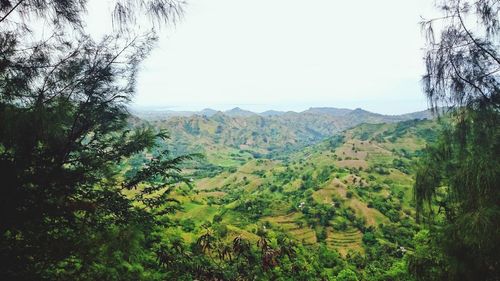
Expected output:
{"points": [[64, 136], [456, 188]]}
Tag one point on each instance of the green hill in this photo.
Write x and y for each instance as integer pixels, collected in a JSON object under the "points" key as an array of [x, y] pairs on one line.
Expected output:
{"points": [[230, 138], [337, 192]]}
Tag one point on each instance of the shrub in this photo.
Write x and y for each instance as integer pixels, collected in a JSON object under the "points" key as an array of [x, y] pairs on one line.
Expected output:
{"points": [[188, 225]]}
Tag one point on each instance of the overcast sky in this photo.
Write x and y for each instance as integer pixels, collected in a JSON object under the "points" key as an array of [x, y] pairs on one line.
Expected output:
{"points": [[288, 55]]}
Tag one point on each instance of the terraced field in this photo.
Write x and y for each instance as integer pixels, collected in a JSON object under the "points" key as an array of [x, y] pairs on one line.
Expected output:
{"points": [[373, 217], [307, 194], [343, 241], [292, 225], [207, 195], [304, 235]]}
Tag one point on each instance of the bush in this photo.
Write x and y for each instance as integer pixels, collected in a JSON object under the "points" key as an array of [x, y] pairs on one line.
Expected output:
{"points": [[321, 234], [221, 230], [188, 225], [347, 275], [369, 238], [340, 225]]}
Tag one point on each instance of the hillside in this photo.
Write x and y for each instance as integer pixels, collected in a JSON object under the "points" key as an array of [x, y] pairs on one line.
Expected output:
{"points": [[238, 133], [347, 195], [351, 192]]}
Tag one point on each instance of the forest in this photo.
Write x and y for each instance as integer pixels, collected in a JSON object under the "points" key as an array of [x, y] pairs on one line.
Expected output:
{"points": [[93, 189]]}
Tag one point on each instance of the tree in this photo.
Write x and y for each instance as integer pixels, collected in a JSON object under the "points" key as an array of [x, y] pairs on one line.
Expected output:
{"points": [[427, 261], [456, 186], [462, 62], [64, 133], [346, 275]]}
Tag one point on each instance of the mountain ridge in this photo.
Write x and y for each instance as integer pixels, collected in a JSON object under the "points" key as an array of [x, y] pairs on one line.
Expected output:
{"points": [[159, 114], [265, 135]]}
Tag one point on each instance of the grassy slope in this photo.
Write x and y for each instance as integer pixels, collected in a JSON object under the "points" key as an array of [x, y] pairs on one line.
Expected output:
{"points": [[372, 163]]}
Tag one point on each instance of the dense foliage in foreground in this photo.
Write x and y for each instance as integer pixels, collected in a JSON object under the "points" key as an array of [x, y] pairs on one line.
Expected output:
{"points": [[457, 190], [64, 135], [86, 196]]}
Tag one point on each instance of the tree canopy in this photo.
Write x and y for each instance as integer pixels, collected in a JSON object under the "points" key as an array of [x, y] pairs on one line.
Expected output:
{"points": [[457, 184], [64, 138]]}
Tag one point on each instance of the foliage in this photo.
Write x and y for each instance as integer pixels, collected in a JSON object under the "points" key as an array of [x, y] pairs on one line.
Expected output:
{"points": [[457, 184], [64, 138], [346, 275], [331, 230], [90, 190]]}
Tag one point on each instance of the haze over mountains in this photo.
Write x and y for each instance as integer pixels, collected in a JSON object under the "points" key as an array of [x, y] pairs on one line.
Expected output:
{"points": [[265, 134], [153, 113]]}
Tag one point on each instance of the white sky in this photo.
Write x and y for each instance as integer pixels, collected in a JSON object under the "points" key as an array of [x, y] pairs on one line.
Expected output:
{"points": [[288, 55]]}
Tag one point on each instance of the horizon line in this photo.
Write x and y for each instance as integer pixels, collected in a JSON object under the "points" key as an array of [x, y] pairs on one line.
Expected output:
{"points": [[159, 108]]}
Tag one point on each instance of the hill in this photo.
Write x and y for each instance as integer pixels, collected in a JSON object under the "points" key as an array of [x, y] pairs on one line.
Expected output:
{"points": [[158, 113], [345, 192], [235, 135]]}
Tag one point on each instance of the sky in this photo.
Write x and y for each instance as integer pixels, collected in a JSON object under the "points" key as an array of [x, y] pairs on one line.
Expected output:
{"points": [[287, 55]]}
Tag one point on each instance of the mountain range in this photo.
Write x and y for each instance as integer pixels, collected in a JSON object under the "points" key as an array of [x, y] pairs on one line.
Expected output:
{"points": [[159, 114], [267, 134], [330, 179]]}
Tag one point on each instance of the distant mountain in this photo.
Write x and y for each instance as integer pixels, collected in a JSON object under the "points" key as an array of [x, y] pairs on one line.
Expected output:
{"points": [[328, 110], [358, 116], [425, 114], [207, 112], [268, 132], [351, 116], [238, 112], [271, 113]]}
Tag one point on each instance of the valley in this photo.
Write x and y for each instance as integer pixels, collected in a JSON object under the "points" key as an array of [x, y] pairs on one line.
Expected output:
{"points": [[114, 166], [344, 187]]}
